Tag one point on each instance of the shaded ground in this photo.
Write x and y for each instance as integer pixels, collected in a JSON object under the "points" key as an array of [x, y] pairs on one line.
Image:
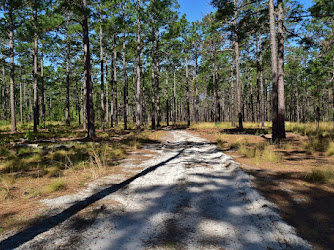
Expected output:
{"points": [[307, 206], [190, 196]]}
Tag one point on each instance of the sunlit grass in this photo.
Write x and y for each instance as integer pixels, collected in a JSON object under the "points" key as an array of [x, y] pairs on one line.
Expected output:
{"points": [[320, 175]]}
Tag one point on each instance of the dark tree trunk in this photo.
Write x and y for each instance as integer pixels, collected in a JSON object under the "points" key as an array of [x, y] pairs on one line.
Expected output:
{"points": [[281, 98], [35, 70], [102, 75], [68, 49], [89, 84], [138, 87]]}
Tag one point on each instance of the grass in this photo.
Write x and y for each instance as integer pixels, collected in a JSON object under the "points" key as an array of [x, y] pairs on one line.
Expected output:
{"points": [[320, 176], [310, 128], [6, 185], [330, 149], [54, 186]]}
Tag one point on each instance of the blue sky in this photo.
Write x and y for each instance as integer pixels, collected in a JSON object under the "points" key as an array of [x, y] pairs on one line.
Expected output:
{"points": [[197, 9]]}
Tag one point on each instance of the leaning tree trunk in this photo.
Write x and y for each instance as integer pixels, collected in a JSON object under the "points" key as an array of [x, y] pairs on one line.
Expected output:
{"points": [[281, 98], [138, 104], [89, 84], [274, 72], [12, 68]]}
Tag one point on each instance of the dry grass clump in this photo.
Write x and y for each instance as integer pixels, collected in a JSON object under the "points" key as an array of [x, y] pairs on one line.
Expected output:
{"points": [[6, 185], [330, 149], [310, 128], [320, 176], [259, 151], [316, 145]]}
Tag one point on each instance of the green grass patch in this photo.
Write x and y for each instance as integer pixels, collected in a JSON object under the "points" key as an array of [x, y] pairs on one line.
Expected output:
{"points": [[320, 176], [54, 186]]}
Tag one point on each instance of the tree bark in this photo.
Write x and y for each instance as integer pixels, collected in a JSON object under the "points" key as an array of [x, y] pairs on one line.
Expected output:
{"points": [[102, 73], [274, 72], [187, 92], [68, 49], [125, 78], [35, 70], [174, 98], [42, 87], [157, 78], [281, 98], [153, 111], [237, 65], [12, 69], [138, 103], [89, 84]]}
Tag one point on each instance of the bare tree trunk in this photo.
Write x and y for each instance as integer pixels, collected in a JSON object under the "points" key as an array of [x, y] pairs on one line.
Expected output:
{"points": [[114, 91], [78, 101], [153, 112], [157, 78], [102, 74], [68, 50], [125, 78], [237, 66], [107, 93], [42, 88], [232, 94], [174, 98], [281, 98], [84, 101], [273, 46], [187, 92], [35, 70], [262, 108], [89, 84], [21, 97], [12, 69], [138, 103]]}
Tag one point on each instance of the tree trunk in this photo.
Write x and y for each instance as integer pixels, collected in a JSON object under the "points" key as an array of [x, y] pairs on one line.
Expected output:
{"points": [[102, 74], [274, 68], [262, 108], [281, 98], [237, 66], [21, 97], [174, 98], [35, 70], [125, 78], [138, 103], [68, 49], [232, 94], [153, 112], [42, 88], [187, 92], [107, 93], [157, 78], [12, 69], [89, 84], [114, 91]]}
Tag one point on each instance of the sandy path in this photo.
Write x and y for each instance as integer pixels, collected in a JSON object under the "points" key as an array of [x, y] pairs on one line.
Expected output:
{"points": [[195, 198]]}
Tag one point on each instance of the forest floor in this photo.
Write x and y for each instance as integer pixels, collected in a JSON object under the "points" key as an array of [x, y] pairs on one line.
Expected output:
{"points": [[298, 180], [188, 195], [164, 183]]}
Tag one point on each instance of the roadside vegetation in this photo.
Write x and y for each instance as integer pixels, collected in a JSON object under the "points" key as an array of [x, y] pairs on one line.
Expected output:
{"points": [[57, 161]]}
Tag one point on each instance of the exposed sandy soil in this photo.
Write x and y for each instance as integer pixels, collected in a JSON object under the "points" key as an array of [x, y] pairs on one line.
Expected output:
{"points": [[308, 207], [189, 196]]}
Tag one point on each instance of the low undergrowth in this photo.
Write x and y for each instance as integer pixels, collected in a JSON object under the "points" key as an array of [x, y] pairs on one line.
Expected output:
{"points": [[323, 175]]}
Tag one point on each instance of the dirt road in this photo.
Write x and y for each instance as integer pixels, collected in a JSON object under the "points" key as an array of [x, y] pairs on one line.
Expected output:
{"points": [[191, 196]]}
